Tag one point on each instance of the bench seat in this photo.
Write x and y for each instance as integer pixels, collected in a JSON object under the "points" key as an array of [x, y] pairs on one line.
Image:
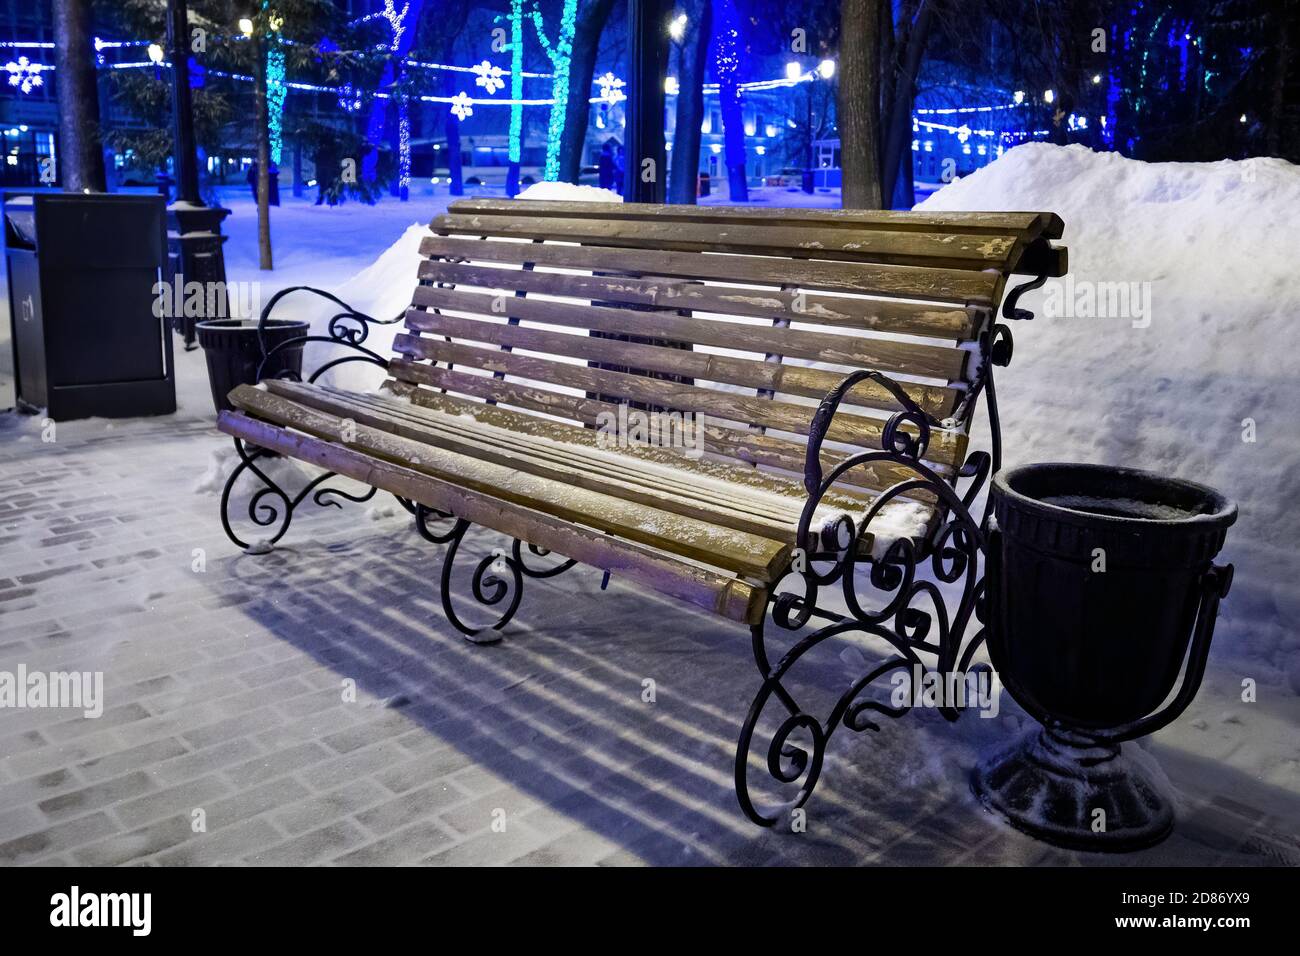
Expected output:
{"points": [[735, 524]]}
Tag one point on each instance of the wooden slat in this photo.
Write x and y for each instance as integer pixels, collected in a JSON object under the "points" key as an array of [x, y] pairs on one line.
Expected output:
{"points": [[725, 504], [722, 594], [720, 547], [701, 366], [875, 315], [1031, 224], [945, 250], [724, 406], [959, 286], [582, 444], [856, 351], [742, 446]]}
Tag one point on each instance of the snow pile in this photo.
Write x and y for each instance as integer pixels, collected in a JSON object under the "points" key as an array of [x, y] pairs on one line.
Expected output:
{"points": [[1203, 384], [568, 192], [382, 289]]}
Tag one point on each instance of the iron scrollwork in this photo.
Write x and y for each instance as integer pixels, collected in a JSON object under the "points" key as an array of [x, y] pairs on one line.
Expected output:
{"points": [[497, 579], [883, 588], [270, 506]]}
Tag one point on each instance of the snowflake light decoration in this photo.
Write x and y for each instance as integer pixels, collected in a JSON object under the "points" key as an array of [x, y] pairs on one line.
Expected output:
{"points": [[462, 106], [25, 74], [611, 88], [489, 76], [349, 98]]}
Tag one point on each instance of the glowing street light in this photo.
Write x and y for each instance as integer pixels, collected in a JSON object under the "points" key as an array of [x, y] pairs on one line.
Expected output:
{"points": [[1049, 96], [670, 85], [677, 29], [1019, 97], [826, 69], [1096, 79], [155, 53], [793, 70], [246, 26]]}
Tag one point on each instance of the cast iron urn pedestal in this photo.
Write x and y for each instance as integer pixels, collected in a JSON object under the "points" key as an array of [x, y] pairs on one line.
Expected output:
{"points": [[1100, 582]]}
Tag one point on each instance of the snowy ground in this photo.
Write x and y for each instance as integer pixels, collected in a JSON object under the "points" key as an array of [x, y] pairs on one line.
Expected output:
{"points": [[223, 684]]}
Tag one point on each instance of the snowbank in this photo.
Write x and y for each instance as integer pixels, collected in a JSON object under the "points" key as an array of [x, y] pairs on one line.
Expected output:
{"points": [[1208, 390]]}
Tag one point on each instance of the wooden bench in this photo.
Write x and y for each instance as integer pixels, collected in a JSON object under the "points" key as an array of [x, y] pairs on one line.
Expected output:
{"points": [[533, 321]]}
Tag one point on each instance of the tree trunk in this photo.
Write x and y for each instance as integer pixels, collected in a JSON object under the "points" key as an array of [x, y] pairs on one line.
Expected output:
{"points": [[592, 16], [455, 174], [899, 122], [263, 134], [81, 160], [726, 63], [858, 108], [692, 61]]}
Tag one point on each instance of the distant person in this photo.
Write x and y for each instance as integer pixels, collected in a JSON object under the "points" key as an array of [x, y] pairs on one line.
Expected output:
{"points": [[606, 166], [620, 170], [252, 178]]}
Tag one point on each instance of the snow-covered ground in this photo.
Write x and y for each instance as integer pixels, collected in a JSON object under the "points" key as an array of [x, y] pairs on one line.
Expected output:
{"points": [[1204, 385]]}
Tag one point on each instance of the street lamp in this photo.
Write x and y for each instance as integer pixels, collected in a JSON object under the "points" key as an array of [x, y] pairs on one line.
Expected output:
{"points": [[677, 29], [793, 70], [246, 26], [155, 54], [826, 69], [194, 236]]}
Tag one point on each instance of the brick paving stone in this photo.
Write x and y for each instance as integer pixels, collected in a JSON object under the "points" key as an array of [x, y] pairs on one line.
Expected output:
{"points": [[312, 847], [224, 692]]}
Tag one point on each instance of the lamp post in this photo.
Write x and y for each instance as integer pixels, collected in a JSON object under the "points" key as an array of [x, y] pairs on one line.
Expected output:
{"points": [[194, 236], [648, 33]]}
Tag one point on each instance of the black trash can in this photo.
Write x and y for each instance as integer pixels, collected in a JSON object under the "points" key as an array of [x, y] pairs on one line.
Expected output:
{"points": [[1100, 582], [806, 181], [1095, 585], [234, 354], [89, 324]]}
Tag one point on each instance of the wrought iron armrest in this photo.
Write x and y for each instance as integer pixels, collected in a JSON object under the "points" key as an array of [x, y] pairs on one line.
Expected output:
{"points": [[348, 328]]}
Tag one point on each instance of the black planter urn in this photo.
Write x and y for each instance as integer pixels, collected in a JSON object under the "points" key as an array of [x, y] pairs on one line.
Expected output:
{"points": [[1100, 583], [240, 352]]}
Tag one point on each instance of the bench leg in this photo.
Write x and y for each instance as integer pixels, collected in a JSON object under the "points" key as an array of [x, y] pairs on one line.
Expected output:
{"points": [[919, 602], [270, 507], [497, 579]]}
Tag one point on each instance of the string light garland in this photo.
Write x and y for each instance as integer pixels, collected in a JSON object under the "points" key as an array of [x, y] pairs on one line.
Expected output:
{"points": [[276, 91], [561, 54], [515, 148]]}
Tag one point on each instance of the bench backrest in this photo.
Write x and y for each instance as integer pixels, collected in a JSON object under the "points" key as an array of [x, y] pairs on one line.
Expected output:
{"points": [[746, 317]]}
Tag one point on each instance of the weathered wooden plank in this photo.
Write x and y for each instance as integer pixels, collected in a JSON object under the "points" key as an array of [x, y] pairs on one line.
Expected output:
{"points": [[722, 594], [585, 447], [699, 540], [873, 315], [731, 506], [961, 286], [724, 406], [945, 250], [701, 366], [1029, 223], [855, 351], [743, 446], [527, 423]]}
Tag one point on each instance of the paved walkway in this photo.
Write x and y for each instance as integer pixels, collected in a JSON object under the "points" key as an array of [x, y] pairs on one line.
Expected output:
{"points": [[228, 734]]}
